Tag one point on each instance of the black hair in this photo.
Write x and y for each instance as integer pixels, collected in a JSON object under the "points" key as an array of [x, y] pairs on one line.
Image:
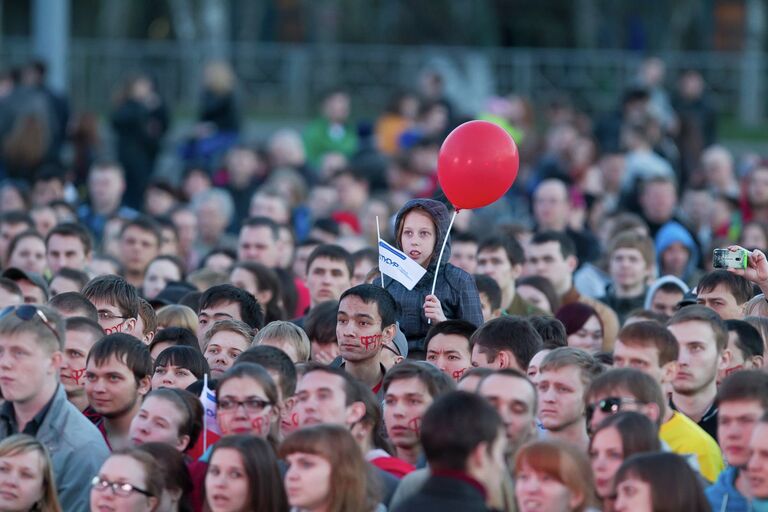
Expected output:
{"points": [[72, 229], [144, 223], [175, 260], [327, 225], [369, 293], [448, 327], [334, 253], [472, 420], [511, 246], [320, 322], [567, 247], [266, 279], [127, 349], [366, 253], [11, 286], [738, 286], [226, 251], [185, 357], [551, 330], [512, 333], [489, 286], [463, 237], [73, 302], [178, 336], [256, 222], [176, 476], [250, 310], [17, 217], [748, 339], [78, 276], [272, 358]]}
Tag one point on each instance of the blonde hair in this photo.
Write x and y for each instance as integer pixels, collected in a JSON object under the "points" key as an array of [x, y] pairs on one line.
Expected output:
{"points": [[234, 326], [22, 443], [219, 77], [286, 332], [177, 315]]}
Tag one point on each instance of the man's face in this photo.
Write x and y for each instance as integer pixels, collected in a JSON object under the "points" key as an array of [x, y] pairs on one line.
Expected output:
{"points": [[546, 260], [221, 311], [515, 400], [65, 251], [9, 299], [25, 368], [32, 293], [46, 191], [495, 264], [736, 419], [105, 186], [485, 306], [698, 360], [758, 187], [737, 360], [640, 357], [112, 319], [7, 232], [561, 397], [722, 301], [157, 422], [464, 256], [450, 353], [112, 389], [658, 201], [222, 350], [77, 344], [666, 302], [757, 467], [256, 243], [137, 248], [627, 268], [550, 205], [674, 259], [321, 399], [405, 402], [359, 330], [327, 279]]}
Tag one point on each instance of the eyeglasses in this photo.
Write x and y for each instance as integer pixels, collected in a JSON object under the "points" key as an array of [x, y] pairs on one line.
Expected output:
{"points": [[610, 405], [108, 315], [27, 312], [118, 489], [254, 405]]}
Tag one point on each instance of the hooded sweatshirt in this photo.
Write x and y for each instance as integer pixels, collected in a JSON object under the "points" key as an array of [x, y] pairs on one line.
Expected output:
{"points": [[455, 288], [673, 232], [661, 282], [723, 495]]}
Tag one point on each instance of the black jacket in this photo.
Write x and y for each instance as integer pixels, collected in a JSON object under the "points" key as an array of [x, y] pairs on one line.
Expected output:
{"points": [[443, 493]]}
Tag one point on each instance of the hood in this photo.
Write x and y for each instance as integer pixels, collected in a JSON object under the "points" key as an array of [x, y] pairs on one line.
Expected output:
{"points": [[672, 232], [660, 282], [440, 216], [723, 495]]}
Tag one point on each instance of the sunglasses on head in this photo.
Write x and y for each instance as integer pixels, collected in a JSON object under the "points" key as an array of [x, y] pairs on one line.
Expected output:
{"points": [[610, 405], [27, 312]]}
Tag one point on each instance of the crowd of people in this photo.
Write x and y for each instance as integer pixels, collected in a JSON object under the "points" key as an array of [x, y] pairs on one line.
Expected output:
{"points": [[227, 342]]}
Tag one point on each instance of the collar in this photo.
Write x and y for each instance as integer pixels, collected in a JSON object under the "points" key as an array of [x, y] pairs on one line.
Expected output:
{"points": [[8, 414], [708, 414], [463, 477]]}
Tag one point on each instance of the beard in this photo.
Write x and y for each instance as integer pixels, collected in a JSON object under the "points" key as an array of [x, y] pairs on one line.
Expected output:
{"points": [[122, 410]]}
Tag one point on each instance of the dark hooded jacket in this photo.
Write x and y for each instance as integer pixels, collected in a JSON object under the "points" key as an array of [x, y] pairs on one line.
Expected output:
{"points": [[455, 288]]}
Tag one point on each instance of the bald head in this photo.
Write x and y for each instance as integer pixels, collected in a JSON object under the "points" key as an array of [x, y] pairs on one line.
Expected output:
{"points": [[551, 205]]}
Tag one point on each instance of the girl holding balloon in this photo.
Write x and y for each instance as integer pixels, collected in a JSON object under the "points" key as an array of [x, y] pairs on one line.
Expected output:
{"points": [[421, 226]]}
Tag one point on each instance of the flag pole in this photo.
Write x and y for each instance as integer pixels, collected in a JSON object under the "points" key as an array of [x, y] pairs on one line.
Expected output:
{"points": [[442, 249], [378, 236], [205, 416]]}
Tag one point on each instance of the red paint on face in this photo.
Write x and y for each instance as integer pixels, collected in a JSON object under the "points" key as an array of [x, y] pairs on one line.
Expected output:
{"points": [[371, 342]]}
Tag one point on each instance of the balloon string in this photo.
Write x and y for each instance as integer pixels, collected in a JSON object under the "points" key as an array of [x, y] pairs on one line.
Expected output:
{"points": [[442, 249]]}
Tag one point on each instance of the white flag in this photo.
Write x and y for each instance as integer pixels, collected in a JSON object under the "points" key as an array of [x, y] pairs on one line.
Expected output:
{"points": [[398, 266], [208, 399]]}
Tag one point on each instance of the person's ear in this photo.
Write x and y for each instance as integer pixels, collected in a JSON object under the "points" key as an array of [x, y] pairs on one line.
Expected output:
{"points": [[288, 403], [355, 412], [576, 499], [57, 359], [388, 333], [477, 458], [147, 338], [668, 372], [153, 502], [505, 359], [399, 359], [182, 443], [572, 263], [145, 385], [517, 271], [130, 325], [725, 359], [758, 361]]}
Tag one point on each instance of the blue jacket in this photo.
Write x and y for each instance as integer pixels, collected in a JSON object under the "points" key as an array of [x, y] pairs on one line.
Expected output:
{"points": [[723, 495], [77, 451], [455, 288]]}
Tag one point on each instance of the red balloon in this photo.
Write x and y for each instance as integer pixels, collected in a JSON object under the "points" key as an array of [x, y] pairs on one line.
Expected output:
{"points": [[477, 164]]}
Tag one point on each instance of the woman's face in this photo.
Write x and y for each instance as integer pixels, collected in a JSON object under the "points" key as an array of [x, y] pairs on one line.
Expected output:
{"points": [[535, 297], [633, 495], [226, 482], [21, 480], [158, 420], [589, 337], [606, 454], [159, 273], [29, 255], [753, 237], [308, 480], [418, 238], [243, 408], [537, 491], [172, 376], [122, 469], [244, 280]]}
